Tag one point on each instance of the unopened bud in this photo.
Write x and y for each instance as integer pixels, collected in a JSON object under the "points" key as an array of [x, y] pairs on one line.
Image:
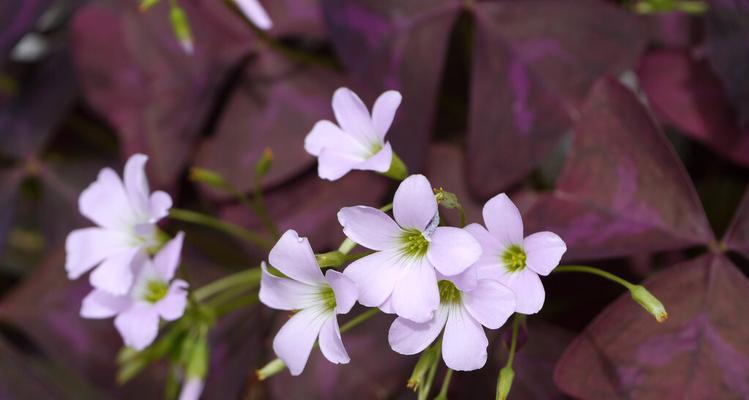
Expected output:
{"points": [[264, 163], [506, 376], [330, 259], [270, 369], [146, 4], [446, 199], [181, 28], [208, 177], [649, 302]]}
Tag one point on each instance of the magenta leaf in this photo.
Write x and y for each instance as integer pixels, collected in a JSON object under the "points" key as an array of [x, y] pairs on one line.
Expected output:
{"points": [[274, 106], [296, 18], [533, 64], [134, 72], [701, 351], [686, 94], [398, 45], [624, 191], [737, 236]]}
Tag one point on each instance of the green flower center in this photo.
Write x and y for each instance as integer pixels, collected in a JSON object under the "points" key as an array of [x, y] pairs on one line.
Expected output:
{"points": [[155, 291], [449, 293], [327, 297], [414, 243], [514, 258]]}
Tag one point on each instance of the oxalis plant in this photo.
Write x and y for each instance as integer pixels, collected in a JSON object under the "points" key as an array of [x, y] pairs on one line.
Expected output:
{"points": [[444, 286]]}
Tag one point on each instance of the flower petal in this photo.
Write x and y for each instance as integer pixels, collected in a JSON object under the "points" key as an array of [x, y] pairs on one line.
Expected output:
{"points": [[353, 116], [254, 11], [172, 306], [286, 294], [529, 291], [332, 165], [293, 256], [414, 205], [167, 259], [331, 344], [138, 326], [369, 227], [375, 276], [543, 251], [408, 337], [503, 220], [136, 186], [490, 303], [105, 202], [464, 342], [191, 389], [383, 111], [100, 304], [294, 341], [488, 242], [466, 280], [344, 289], [452, 250], [115, 274], [159, 205], [84, 248], [327, 135], [378, 162], [416, 295]]}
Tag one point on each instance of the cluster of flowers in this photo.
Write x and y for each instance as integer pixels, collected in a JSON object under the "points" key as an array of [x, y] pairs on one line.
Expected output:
{"points": [[432, 277]]}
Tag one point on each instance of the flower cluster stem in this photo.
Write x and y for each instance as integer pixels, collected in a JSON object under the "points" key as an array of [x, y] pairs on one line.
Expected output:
{"points": [[507, 374], [595, 271], [220, 225], [246, 279]]}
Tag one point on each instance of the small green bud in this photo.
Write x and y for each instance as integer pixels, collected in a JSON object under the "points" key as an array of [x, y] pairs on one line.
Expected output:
{"points": [[506, 376], [270, 369], [145, 5], [181, 28], [208, 177], [446, 199], [428, 358], [264, 163], [330, 259], [398, 169], [649, 302]]}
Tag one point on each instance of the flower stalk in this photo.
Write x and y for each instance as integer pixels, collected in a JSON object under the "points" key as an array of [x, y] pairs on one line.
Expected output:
{"points": [[507, 374]]}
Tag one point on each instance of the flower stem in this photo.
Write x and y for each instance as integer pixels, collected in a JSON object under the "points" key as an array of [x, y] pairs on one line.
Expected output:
{"points": [[220, 225], [445, 385], [507, 374], [248, 278], [595, 271], [358, 319]]}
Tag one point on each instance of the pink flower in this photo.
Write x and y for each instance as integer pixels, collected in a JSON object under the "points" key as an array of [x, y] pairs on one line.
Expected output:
{"points": [[511, 259], [154, 295], [400, 276], [463, 310], [316, 298], [254, 11], [126, 215], [359, 142], [192, 388]]}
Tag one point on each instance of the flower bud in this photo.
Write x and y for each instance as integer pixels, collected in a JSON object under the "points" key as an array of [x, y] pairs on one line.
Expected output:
{"points": [[427, 360], [270, 369], [506, 376], [181, 28], [330, 259], [146, 4], [264, 163], [649, 302], [446, 199], [210, 178]]}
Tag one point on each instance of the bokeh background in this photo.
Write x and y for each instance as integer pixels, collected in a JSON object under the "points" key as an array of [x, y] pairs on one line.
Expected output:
{"points": [[627, 134]]}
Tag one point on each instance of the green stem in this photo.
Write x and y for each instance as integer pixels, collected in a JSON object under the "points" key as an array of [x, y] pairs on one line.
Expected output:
{"points": [[595, 271], [445, 385], [514, 341], [240, 302], [424, 390], [262, 211], [250, 278], [220, 225], [359, 319]]}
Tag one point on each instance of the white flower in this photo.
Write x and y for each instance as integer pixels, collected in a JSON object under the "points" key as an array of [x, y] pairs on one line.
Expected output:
{"points": [[316, 298], [400, 276], [359, 142], [254, 11], [154, 295], [511, 259], [126, 215], [192, 388]]}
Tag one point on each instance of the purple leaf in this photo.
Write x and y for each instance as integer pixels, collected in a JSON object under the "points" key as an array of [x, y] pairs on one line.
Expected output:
{"points": [[398, 45], [17, 18], [727, 28], [701, 351], [135, 73], [296, 18], [274, 106], [533, 64], [737, 236], [623, 189], [9, 181], [686, 94]]}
